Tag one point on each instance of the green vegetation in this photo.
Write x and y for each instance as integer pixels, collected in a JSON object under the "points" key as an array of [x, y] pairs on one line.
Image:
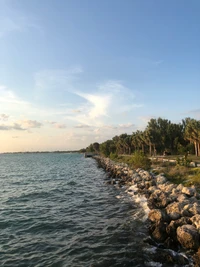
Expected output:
{"points": [[177, 173], [140, 160], [160, 137]]}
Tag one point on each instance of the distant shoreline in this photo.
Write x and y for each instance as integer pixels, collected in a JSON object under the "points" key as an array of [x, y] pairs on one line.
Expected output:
{"points": [[40, 152]]}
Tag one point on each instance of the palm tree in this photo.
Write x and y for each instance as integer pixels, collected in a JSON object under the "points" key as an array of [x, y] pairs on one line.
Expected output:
{"points": [[192, 133]]}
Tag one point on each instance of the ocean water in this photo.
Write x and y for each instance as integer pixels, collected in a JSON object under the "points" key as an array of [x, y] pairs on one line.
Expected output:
{"points": [[56, 210]]}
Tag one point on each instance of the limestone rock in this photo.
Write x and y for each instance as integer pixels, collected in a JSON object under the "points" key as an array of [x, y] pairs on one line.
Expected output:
{"points": [[188, 236], [189, 191], [161, 179], [196, 221], [159, 234], [173, 225], [157, 215], [173, 211], [191, 209]]}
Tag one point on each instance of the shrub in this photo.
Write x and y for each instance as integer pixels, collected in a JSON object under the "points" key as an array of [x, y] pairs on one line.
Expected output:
{"points": [[184, 161], [140, 160], [113, 156]]}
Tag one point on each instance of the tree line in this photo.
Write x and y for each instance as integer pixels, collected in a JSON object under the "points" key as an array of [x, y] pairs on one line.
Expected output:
{"points": [[160, 136]]}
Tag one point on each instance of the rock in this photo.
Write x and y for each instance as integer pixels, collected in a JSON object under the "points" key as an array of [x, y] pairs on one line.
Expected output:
{"points": [[179, 187], [189, 191], [191, 209], [196, 221], [159, 199], [137, 179], [196, 258], [173, 225], [157, 215], [169, 258], [182, 197], [173, 211], [188, 236], [192, 164], [167, 187], [170, 243], [161, 179], [159, 234]]}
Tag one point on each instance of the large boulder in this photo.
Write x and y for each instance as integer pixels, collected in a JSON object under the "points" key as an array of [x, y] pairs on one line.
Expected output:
{"points": [[188, 236], [173, 225], [157, 215], [173, 211], [159, 232]]}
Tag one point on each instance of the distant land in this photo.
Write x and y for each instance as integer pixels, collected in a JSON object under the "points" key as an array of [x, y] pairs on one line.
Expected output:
{"points": [[39, 152]]}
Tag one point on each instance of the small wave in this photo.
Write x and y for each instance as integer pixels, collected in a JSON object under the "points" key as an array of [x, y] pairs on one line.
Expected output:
{"points": [[72, 182]]}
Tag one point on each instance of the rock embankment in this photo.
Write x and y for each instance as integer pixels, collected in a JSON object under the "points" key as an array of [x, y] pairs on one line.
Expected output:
{"points": [[174, 217]]}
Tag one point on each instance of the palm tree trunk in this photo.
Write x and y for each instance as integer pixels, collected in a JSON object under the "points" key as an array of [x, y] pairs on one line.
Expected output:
{"points": [[195, 146], [143, 148], [154, 149], [150, 149], [199, 148]]}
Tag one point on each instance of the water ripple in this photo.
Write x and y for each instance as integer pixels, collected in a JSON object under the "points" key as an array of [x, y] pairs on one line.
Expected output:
{"points": [[57, 211]]}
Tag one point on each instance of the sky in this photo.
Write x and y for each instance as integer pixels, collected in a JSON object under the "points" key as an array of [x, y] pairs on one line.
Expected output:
{"points": [[75, 72]]}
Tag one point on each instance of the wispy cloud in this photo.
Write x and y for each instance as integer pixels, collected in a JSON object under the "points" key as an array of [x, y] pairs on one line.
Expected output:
{"points": [[194, 111], [29, 124], [11, 20], [57, 78], [60, 126], [82, 126], [107, 100], [21, 125], [14, 126], [4, 117], [8, 96]]}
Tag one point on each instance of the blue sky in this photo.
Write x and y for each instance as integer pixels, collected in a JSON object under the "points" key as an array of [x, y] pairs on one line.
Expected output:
{"points": [[73, 72]]}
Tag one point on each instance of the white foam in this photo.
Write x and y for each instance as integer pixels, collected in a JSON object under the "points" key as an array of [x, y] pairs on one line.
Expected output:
{"points": [[140, 199], [153, 264]]}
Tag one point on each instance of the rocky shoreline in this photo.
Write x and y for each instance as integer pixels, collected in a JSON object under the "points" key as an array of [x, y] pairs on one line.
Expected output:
{"points": [[174, 216]]}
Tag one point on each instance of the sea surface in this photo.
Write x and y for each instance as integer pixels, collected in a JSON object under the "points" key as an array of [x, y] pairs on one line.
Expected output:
{"points": [[57, 210]]}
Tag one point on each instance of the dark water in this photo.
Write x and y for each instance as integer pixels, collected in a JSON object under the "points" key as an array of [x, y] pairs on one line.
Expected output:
{"points": [[56, 210]]}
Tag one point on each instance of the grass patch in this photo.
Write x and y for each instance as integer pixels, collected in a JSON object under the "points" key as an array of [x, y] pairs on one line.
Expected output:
{"points": [[187, 176], [175, 173]]}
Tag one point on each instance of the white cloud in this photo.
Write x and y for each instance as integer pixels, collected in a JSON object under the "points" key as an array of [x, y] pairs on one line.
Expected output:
{"points": [[29, 124], [97, 105], [60, 126], [126, 126], [8, 96], [82, 126], [105, 102], [14, 126], [4, 117]]}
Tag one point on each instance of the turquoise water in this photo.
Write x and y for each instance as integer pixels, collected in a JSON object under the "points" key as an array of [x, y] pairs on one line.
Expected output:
{"points": [[56, 210]]}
